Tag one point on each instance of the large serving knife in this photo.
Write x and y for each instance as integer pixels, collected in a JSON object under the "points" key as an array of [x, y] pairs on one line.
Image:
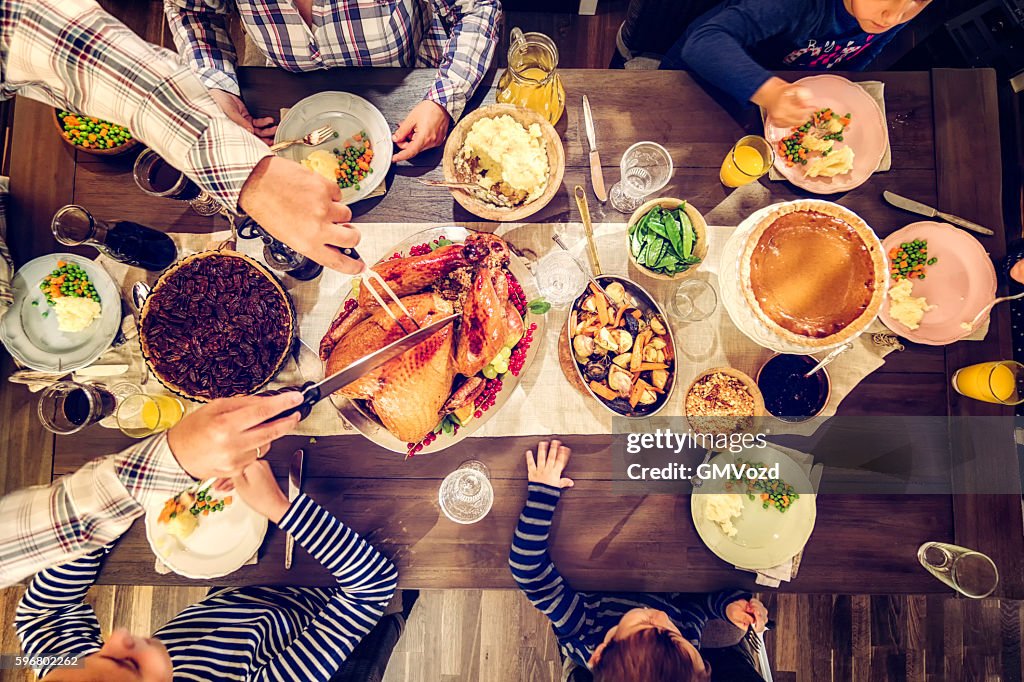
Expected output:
{"points": [[929, 212], [314, 392], [596, 177], [294, 489]]}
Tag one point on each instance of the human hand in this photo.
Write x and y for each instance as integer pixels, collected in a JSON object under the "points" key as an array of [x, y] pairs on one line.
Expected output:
{"points": [[258, 487], [224, 436], [743, 613], [551, 461], [303, 210], [235, 109], [424, 128], [786, 104]]}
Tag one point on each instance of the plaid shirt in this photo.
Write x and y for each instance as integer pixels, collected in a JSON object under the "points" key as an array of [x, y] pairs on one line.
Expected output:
{"points": [[456, 36], [72, 54], [83, 511]]}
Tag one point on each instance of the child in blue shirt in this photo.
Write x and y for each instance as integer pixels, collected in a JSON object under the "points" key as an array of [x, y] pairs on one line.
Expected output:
{"points": [[737, 44]]}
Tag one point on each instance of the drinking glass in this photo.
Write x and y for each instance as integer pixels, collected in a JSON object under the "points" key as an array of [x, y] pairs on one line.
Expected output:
{"points": [[748, 160], [156, 177], [992, 382], [142, 415], [122, 240], [67, 407], [970, 573], [559, 279], [466, 494], [694, 300], [645, 168]]}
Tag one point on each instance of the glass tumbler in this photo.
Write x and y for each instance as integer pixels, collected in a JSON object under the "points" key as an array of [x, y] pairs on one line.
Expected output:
{"points": [[466, 494], [67, 407], [141, 415], [970, 573], [560, 279], [694, 300], [645, 168]]}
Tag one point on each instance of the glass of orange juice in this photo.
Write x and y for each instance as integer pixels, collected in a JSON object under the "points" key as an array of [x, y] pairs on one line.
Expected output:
{"points": [[142, 415], [748, 160], [993, 382]]}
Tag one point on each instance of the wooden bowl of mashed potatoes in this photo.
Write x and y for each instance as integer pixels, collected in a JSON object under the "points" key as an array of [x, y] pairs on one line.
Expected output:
{"points": [[512, 153]]}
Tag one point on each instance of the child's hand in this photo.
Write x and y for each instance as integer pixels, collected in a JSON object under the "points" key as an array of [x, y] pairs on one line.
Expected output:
{"points": [[786, 104], [258, 487], [742, 613], [549, 464]]}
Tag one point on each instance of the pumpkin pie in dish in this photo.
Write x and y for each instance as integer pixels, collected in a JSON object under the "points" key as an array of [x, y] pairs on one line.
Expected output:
{"points": [[814, 273]]}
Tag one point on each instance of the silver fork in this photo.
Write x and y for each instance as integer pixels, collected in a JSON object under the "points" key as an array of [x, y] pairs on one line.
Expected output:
{"points": [[755, 638], [318, 136]]}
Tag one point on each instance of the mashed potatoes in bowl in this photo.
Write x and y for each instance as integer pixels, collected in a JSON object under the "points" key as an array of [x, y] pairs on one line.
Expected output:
{"points": [[507, 159]]}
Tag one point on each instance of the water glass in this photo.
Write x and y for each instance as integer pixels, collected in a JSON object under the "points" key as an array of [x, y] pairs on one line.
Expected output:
{"points": [[157, 178], [560, 279], [645, 168], [748, 160], [970, 573], [466, 495], [694, 300], [142, 415], [67, 407]]}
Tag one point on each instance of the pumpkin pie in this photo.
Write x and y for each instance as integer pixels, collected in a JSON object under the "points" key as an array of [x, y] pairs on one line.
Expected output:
{"points": [[814, 273]]}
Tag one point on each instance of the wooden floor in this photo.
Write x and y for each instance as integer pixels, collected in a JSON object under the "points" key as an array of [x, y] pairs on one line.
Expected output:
{"points": [[496, 636]]}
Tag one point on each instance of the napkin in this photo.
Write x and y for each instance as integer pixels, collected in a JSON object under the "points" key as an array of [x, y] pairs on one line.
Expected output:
{"points": [[6, 264], [877, 91], [787, 570], [381, 189]]}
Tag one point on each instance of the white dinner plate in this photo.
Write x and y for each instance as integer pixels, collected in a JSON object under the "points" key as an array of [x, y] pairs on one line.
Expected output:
{"points": [[35, 341], [347, 114], [223, 542], [764, 537]]}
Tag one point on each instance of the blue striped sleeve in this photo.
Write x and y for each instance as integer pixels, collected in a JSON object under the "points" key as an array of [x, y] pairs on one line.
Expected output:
{"points": [[52, 618], [533, 569], [366, 580]]}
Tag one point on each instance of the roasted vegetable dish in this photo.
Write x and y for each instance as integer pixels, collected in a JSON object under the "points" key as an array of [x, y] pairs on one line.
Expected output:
{"points": [[623, 348]]}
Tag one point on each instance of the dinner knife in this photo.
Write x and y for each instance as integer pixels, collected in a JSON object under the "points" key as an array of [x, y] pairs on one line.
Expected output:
{"points": [[596, 178], [314, 392], [294, 488], [929, 212]]}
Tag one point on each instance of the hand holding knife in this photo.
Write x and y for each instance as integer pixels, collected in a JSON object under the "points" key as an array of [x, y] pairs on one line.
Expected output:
{"points": [[596, 177]]}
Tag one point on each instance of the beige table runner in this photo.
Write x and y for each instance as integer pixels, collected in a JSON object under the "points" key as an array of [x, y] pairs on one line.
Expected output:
{"points": [[544, 402]]}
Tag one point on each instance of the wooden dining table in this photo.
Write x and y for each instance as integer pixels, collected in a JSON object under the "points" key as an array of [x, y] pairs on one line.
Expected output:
{"points": [[944, 133]]}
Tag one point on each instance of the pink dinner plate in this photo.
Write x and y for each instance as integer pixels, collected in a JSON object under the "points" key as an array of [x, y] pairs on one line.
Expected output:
{"points": [[867, 134], [960, 284]]}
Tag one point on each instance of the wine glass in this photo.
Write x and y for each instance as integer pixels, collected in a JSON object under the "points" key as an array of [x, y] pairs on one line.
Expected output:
{"points": [[559, 278], [67, 407], [645, 168], [694, 300]]}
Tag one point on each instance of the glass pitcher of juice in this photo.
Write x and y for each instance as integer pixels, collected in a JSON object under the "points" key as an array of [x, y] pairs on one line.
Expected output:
{"points": [[531, 79]]}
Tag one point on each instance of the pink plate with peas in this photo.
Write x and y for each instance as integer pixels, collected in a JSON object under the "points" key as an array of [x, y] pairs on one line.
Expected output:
{"points": [[866, 134], [500, 377], [959, 283]]}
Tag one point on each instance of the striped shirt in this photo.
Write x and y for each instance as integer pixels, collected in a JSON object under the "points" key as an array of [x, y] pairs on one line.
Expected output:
{"points": [[249, 633], [81, 512], [458, 37], [581, 619], [72, 54]]}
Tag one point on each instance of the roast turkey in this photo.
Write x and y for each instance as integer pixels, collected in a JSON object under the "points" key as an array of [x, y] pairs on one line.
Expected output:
{"points": [[412, 392]]}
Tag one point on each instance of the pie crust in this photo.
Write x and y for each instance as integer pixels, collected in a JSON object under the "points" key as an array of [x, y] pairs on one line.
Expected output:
{"points": [[847, 323]]}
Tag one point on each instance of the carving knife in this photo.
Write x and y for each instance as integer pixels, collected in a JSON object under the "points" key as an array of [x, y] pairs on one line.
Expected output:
{"points": [[294, 488], [929, 212], [314, 392], [596, 178]]}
